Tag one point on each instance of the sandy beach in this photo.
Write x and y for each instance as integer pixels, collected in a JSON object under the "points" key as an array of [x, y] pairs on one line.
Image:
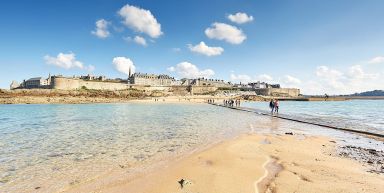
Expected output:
{"points": [[46, 96], [251, 163]]}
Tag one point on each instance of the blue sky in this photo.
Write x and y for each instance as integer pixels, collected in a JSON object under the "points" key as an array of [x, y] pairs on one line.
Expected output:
{"points": [[320, 47]]}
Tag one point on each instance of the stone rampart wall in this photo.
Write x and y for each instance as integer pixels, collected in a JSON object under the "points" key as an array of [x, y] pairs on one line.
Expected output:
{"points": [[278, 92], [63, 83], [202, 89]]}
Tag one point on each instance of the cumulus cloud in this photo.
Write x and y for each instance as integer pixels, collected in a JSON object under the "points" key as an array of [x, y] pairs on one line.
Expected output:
{"points": [[66, 61], [332, 78], [290, 81], [243, 78], [171, 69], [353, 79], [202, 48], [123, 65], [357, 72], [140, 20], [140, 40], [376, 60], [264, 78], [228, 33], [240, 18], [188, 70], [326, 72], [137, 39], [325, 79], [101, 30]]}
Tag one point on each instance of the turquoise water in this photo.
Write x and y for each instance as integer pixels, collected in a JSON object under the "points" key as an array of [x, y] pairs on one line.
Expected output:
{"points": [[46, 148], [365, 115], [43, 144]]}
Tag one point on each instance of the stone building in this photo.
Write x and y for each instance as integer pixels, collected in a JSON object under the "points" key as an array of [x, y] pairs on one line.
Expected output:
{"points": [[152, 79], [37, 82], [91, 77], [208, 82], [258, 84], [278, 92]]}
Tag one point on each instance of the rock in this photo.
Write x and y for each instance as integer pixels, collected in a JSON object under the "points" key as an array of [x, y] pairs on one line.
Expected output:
{"points": [[181, 182], [184, 182], [372, 151]]}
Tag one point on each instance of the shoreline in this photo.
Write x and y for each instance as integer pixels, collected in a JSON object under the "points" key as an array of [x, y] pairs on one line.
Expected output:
{"points": [[251, 163], [148, 99], [49, 96]]}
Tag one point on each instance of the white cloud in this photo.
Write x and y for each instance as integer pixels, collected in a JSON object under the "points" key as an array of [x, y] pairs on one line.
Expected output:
{"points": [[357, 72], [171, 69], [137, 39], [101, 29], [240, 18], [140, 40], [202, 48], [140, 20], [376, 60], [331, 81], [123, 65], [325, 79], [243, 78], [66, 61], [188, 70], [228, 33], [325, 72], [264, 78], [290, 81]]}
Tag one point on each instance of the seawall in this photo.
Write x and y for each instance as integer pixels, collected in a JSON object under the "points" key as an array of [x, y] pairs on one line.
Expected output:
{"points": [[278, 92], [63, 83]]}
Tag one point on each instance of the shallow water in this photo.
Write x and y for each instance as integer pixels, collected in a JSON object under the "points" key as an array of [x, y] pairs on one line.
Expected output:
{"points": [[367, 115], [46, 148]]}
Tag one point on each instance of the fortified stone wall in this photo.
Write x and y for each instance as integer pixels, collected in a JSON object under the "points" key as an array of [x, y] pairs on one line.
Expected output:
{"points": [[278, 92], [63, 83], [202, 89], [180, 90], [148, 88]]}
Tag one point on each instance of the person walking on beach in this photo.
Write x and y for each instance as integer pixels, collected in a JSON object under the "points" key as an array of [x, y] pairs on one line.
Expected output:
{"points": [[272, 105], [276, 106]]}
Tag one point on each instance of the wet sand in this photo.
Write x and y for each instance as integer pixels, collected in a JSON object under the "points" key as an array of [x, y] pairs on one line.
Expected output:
{"points": [[251, 163]]}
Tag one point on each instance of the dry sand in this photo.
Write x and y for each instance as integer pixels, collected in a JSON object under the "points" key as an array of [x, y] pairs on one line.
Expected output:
{"points": [[252, 163]]}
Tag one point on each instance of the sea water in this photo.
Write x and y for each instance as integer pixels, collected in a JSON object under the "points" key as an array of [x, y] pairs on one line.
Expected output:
{"points": [[367, 115], [46, 148]]}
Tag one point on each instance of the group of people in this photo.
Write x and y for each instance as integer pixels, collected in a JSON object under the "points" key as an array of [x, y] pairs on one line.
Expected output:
{"points": [[274, 105], [211, 101], [231, 102]]}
